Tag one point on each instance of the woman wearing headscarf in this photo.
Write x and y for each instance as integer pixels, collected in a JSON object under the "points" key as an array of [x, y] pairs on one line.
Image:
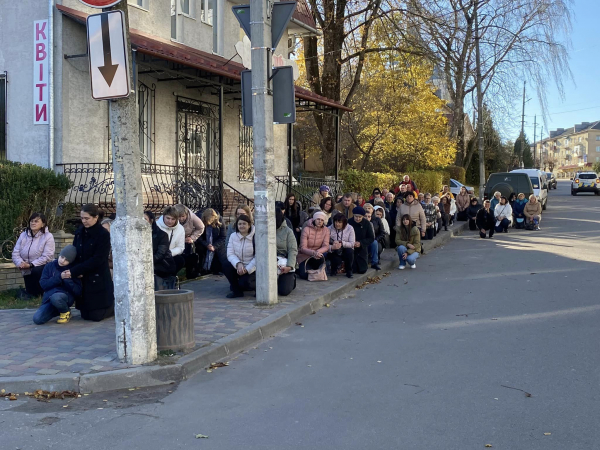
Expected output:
{"points": [[323, 193], [287, 252], [212, 242], [314, 244], [503, 215], [364, 237], [472, 211]]}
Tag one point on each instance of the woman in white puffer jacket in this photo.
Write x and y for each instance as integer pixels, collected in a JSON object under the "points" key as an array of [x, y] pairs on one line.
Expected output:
{"points": [[241, 267]]}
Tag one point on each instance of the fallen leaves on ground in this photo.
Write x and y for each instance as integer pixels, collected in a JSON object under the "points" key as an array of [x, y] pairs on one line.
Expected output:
{"points": [[488, 445], [216, 366], [372, 280], [299, 323], [44, 396], [547, 434], [9, 396], [201, 436]]}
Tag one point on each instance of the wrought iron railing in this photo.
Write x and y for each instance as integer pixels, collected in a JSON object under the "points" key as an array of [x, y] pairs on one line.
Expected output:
{"points": [[162, 185], [305, 187], [232, 199]]}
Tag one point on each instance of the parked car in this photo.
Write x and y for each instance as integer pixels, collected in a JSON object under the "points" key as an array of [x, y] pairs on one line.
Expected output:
{"points": [[506, 183], [456, 185], [551, 180], [539, 183], [585, 182]]}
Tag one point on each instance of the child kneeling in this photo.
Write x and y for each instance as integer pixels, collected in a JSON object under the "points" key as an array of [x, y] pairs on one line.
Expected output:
{"points": [[59, 292]]}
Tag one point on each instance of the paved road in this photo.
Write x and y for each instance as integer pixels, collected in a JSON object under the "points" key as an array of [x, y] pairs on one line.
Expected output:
{"points": [[435, 358]]}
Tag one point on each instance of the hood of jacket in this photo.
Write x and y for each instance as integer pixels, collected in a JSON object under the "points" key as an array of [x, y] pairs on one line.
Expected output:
{"points": [[161, 223]]}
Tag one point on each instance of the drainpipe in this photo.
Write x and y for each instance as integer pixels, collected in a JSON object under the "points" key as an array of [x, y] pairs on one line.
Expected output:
{"points": [[51, 84]]}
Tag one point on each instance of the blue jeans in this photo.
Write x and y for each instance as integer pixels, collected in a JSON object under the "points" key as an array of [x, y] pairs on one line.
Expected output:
{"points": [[410, 259], [503, 225], [56, 304], [374, 251]]}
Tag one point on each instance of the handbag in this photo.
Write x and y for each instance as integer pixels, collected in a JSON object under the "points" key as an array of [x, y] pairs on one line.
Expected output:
{"points": [[319, 274]]}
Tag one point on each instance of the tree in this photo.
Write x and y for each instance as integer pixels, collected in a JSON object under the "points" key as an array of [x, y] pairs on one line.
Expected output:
{"points": [[518, 40], [397, 123], [522, 150]]}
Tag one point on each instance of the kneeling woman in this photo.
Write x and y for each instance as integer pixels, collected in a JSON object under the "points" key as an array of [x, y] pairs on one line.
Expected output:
{"points": [[314, 244], [341, 248], [91, 265], [164, 264], [241, 270], [503, 214], [287, 252], [408, 240]]}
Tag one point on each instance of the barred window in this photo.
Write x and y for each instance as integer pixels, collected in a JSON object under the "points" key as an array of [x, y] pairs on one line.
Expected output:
{"points": [[246, 151], [146, 106]]}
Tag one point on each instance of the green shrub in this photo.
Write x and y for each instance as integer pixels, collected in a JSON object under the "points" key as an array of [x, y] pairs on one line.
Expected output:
{"points": [[456, 172], [25, 189], [429, 180], [364, 182]]}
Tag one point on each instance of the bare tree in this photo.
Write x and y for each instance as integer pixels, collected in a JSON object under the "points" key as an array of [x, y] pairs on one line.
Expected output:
{"points": [[519, 39]]}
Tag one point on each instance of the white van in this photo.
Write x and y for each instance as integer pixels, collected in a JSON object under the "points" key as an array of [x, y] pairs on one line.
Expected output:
{"points": [[539, 181]]}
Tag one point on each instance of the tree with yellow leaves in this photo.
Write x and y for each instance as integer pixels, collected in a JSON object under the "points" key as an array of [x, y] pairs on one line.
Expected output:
{"points": [[398, 122]]}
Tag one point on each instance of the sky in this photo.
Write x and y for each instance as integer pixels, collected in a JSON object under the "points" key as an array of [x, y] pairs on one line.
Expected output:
{"points": [[581, 101]]}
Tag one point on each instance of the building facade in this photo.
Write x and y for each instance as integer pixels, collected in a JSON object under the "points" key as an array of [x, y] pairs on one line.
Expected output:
{"points": [[187, 58]]}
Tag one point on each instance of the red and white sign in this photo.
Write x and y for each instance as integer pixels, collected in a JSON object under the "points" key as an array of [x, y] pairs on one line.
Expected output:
{"points": [[41, 64], [100, 3]]}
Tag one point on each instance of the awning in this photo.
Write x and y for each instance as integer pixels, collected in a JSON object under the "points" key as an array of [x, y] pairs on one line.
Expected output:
{"points": [[182, 54]]}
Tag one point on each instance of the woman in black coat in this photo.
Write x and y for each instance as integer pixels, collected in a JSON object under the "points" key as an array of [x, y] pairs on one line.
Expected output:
{"points": [[363, 233], [93, 248], [164, 264], [211, 245]]}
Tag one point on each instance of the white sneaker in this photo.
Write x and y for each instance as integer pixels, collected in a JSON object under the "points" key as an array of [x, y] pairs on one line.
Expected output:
{"points": [[414, 266], [401, 267]]}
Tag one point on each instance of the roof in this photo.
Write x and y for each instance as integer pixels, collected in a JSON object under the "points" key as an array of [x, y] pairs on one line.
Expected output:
{"points": [[174, 51], [303, 14]]}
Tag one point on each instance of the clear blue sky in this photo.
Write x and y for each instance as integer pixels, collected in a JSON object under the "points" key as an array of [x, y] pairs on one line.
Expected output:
{"points": [[582, 94]]}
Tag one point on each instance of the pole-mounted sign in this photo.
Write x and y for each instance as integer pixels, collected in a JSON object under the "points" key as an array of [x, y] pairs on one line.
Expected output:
{"points": [[109, 62], [99, 3]]}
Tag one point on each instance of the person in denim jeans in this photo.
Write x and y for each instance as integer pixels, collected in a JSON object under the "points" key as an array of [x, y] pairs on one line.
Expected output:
{"points": [[59, 291], [408, 240]]}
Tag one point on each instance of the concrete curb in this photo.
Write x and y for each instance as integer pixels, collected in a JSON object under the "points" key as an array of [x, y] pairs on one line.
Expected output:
{"points": [[196, 361]]}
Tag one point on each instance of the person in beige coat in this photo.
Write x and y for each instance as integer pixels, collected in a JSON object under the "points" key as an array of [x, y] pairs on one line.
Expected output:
{"points": [[193, 227], [533, 211], [463, 199], [413, 208]]}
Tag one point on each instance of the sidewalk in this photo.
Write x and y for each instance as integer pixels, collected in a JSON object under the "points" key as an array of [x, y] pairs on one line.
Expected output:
{"points": [[82, 356]]}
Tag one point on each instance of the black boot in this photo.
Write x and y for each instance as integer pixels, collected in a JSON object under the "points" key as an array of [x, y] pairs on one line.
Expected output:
{"points": [[349, 274]]}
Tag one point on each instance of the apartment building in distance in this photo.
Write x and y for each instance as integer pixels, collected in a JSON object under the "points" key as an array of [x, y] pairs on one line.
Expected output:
{"points": [[570, 149]]}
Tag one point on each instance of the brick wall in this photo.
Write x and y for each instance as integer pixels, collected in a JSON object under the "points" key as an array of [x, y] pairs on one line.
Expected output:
{"points": [[10, 276]]}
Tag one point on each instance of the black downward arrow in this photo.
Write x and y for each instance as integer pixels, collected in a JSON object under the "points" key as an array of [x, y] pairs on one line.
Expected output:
{"points": [[108, 70]]}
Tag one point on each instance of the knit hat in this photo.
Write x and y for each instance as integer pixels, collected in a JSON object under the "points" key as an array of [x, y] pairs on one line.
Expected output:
{"points": [[320, 215], [358, 211], [69, 253], [324, 188]]}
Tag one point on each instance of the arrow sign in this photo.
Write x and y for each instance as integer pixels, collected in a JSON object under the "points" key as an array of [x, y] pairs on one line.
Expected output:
{"points": [[108, 70], [109, 62]]}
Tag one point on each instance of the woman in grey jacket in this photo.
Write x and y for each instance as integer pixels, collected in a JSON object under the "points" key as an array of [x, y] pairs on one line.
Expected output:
{"points": [[287, 250]]}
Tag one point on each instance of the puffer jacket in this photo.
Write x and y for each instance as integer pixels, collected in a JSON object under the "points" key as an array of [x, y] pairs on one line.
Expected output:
{"points": [[193, 226], [532, 209], [52, 283], [462, 201], [346, 236], [413, 238], [472, 210], [313, 240], [176, 236], [287, 247], [519, 207], [503, 210], [37, 250], [415, 211], [241, 249]]}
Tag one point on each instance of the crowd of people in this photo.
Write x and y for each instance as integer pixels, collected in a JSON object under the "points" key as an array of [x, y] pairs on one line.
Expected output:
{"points": [[333, 236]]}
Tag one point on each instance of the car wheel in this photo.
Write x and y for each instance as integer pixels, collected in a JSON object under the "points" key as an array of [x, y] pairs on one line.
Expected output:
{"points": [[545, 205]]}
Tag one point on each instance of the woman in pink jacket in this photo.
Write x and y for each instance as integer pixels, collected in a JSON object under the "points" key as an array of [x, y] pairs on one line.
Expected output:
{"points": [[314, 244], [33, 250]]}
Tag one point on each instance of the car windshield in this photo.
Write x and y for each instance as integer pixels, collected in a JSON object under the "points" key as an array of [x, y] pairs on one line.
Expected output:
{"points": [[535, 181], [587, 176]]}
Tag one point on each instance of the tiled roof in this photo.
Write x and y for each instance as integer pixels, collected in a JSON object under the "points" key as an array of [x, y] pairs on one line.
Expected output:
{"points": [[182, 54], [303, 14]]}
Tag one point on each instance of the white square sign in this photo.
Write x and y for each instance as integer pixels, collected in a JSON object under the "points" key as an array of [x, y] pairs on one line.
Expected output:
{"points": [[109, 62]]}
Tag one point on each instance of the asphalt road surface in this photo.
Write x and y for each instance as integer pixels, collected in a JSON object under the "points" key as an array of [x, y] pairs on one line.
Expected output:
{"points": [[488, 342]]}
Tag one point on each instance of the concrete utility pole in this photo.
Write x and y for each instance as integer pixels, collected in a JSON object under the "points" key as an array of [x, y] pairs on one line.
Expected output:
{"points": [[130, 234], [479, 108], [264, 155], [522, 127], [542, 146], [534, 143]]}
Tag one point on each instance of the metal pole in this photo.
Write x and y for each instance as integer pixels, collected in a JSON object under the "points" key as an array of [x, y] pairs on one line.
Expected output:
{"points": [[541, 145], [51, 150], [522, 127], [534, 143], [130, 234], [290, 141], [479, 108], [221, 178], [264, 157]]}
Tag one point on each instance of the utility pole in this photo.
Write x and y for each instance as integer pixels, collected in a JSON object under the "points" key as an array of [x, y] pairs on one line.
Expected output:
{"points": [[523, 127], [130, 233], [479, 107], [264, 156], [542, 146], [534, 143]]}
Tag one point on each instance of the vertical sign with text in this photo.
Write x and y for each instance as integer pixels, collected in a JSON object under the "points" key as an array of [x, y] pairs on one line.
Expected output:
{"points": [[41, 65]]}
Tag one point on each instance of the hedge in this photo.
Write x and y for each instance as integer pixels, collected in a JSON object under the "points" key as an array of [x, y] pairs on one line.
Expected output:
{"points": [[456, 172], [25, 189], [364, 182]]}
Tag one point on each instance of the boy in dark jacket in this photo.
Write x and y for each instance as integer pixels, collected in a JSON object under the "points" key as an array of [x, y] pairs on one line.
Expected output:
{"points": [[59, 292]]}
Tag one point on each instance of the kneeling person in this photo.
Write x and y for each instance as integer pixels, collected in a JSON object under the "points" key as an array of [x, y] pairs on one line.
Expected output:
{"points": [[408, 240], [59, 292]]}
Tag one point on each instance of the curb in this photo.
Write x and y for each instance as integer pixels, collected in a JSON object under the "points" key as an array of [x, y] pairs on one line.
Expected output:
{"points": [[194, 362]]}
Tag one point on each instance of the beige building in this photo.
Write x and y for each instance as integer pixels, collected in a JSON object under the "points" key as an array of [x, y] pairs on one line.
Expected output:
{"points": [[187, 58], [571, 149]]}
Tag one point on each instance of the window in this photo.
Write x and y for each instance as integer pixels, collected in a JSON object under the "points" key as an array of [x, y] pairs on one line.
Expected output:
{"points": [[597, 158], [144, 4], [206, 13], [598, 148], [535, 181], [587, 176], [3, 116], [185, 7], [598, 138], [146, 106]]}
